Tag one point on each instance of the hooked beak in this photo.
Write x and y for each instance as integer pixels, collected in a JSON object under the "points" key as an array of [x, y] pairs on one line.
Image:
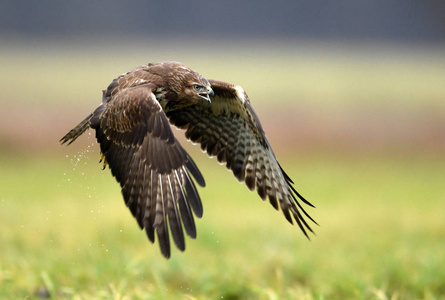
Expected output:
{"points": [[206, 96]]}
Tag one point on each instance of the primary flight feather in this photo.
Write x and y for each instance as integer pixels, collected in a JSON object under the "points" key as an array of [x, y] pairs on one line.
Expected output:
{"points": [[133, 129]]}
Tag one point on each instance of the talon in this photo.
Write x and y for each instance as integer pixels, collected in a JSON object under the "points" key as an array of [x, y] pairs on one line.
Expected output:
{"points": [[103, 159]]}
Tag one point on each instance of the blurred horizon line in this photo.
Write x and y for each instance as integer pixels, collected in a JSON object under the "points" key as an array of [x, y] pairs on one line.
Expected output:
{"points": [[91, 41]]}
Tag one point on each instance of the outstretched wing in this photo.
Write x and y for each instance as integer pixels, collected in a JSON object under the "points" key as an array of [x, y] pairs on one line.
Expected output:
{"points": [[229, 129], [149, 163]]}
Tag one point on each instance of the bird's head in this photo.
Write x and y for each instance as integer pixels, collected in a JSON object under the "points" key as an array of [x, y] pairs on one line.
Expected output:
{"points": [[190, 86], [200, 89]]}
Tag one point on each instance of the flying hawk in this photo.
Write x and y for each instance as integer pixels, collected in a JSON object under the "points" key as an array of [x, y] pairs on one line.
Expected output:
{"points": [[133, 128]]}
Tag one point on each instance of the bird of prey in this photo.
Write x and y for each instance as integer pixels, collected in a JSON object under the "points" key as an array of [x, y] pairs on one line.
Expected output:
{"points": [[133, 129]]}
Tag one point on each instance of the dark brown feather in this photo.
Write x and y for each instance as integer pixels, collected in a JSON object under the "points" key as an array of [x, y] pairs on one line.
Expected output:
{"points": [[145, 157], [229, 129], [77, 131]]}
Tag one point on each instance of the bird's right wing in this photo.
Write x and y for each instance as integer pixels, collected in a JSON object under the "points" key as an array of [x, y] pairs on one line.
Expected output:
{"points": [[149, 163], [229, 129]]}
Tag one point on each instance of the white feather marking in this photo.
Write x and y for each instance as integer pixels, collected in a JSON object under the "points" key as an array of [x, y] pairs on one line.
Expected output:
{"points": [[140, 81], [240, 93]]}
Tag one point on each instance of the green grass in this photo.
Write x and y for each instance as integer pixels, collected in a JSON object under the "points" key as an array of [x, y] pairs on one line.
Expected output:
{"points": [[65, 229]]}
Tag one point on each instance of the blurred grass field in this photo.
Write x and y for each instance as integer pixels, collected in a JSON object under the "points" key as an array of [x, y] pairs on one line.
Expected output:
{"points": [[362, 139]]}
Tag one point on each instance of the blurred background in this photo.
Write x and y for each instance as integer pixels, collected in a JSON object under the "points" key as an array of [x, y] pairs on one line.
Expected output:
{"points": [[351, 96], [360, 74]]}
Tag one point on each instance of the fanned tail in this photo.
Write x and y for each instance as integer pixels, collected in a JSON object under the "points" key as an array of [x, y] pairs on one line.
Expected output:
{"points": [[74, 133]]}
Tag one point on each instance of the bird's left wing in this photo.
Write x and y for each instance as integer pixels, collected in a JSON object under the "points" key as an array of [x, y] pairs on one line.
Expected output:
{"points": [[149, 163], [229, 129]]}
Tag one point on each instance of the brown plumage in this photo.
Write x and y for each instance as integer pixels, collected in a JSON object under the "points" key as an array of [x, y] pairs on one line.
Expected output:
{"points": [[133, 128]]}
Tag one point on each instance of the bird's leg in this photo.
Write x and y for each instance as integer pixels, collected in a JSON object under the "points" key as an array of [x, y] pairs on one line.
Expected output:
{"points": [[104, 159]]}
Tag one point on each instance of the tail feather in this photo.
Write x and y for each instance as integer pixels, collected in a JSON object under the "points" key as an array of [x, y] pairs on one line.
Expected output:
{"points": [[74, 133]]}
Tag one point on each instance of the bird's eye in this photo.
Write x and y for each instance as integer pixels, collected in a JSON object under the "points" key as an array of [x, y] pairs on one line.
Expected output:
{"points": [[199, 88]]}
